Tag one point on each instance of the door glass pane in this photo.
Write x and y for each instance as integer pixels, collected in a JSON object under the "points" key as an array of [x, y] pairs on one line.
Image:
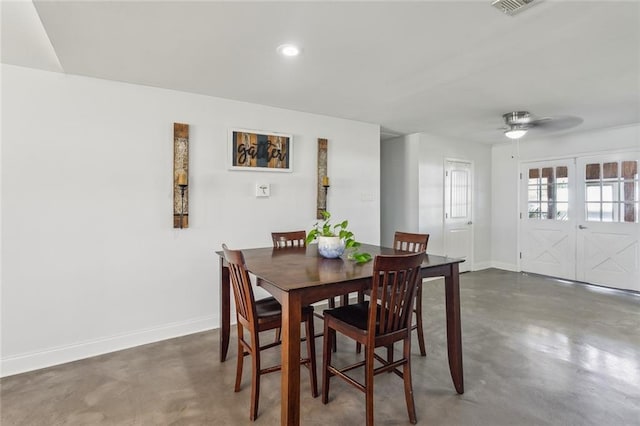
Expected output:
{"points": [[534, 175], [534, 211], [629, 169], [610, 170], [629, 191], [631, 212], [544, 210], [562, 172], [459, 202], [593, 192], [593, 212], [533, 193], [562, 211], [592, 171], [562, 193], [610, 191], [608, 212]]}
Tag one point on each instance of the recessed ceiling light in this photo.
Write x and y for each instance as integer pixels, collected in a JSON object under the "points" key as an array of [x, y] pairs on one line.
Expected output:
{"points": [[288, 50]]}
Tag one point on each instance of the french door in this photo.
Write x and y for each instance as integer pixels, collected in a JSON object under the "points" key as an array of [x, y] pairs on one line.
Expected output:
{"points": [[608, 228], [548, 218], [580, 219]]}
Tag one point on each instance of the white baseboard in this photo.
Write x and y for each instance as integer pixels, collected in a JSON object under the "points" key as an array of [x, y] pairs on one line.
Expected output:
{"points": [[506, 266], [63, 354], [479, 266]]}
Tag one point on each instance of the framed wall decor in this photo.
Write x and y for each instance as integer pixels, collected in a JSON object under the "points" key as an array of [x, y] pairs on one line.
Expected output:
{"points": [[260, 151]]}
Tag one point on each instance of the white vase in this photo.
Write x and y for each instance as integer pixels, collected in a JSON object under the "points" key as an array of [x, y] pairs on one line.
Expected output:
{"points": [[330, 247]]}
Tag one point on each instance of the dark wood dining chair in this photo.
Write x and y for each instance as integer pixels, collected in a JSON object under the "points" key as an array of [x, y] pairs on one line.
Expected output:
{"points": [[379, 322], [415, 243], [256, 316], [296, 239], [289, 239]]}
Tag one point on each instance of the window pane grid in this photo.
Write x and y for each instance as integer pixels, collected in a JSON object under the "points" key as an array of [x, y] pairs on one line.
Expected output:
{"points": [[548, 193], [612, 192]]}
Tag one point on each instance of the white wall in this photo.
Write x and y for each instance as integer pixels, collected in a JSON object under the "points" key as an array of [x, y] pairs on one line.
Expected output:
{"points": [[506, 159], [433, 152], [399, 186], [90, 262], [412, 188]]}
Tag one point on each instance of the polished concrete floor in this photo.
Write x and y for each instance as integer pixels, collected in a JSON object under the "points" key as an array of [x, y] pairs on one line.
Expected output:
{"points": [[536, 352]]}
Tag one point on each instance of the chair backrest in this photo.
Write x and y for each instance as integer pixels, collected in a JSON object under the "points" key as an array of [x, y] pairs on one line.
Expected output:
{"points": [[395, 280], [289, 239], [410, 242], [241, 283]]}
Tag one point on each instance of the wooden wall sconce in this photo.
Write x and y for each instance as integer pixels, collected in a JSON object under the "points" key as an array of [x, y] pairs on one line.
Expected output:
{"points": [[180, 175], [323, 177]]}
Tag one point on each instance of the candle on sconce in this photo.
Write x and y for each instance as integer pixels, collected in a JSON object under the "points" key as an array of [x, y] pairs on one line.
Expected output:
{"points": [[182, 178], [325, 180]]}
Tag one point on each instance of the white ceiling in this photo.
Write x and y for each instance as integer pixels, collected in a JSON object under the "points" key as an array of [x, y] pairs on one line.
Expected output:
{"points": [[449, 68]]}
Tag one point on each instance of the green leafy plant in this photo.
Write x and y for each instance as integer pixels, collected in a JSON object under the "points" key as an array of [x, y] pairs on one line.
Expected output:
{"points": [[326, 229]]}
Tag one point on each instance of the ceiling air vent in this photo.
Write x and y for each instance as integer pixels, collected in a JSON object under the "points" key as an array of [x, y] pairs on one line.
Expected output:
{"points": [[511, 7]]}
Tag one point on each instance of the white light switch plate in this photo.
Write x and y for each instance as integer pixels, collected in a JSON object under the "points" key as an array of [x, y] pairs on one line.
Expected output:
{"points": [[263, 189]]}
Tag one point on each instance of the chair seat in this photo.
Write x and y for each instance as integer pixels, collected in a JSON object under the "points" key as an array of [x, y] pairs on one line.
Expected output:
{"points": [[356, 315], [269, 307]]}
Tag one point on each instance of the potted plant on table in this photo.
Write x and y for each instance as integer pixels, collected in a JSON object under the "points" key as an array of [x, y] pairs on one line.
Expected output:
{"points": [[334, 239]]}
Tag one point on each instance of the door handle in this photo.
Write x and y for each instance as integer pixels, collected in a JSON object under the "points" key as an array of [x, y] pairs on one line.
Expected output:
{"points": [[582, 227]]}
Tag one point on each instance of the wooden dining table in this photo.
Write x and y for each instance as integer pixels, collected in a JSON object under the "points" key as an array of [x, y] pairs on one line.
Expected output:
{"points": [[299, 276]]}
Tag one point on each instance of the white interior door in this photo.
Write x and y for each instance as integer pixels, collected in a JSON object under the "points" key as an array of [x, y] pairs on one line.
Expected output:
{"points": [[548, 218], [458, 212], [608, 241]]}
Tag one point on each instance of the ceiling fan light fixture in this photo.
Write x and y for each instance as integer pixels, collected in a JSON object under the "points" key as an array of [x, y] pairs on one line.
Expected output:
{"points": [[515, 132]]}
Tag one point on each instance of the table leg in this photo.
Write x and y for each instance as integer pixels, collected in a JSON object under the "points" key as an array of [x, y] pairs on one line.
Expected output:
{"points": [[290, 390], [454, 327], [225, 310]]}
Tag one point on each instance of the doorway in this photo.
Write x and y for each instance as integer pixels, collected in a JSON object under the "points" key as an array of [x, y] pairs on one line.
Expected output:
{"points": [[580, 219]]}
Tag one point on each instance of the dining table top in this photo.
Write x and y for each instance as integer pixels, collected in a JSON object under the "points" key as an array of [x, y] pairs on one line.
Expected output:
{"points": [[292, 268]]}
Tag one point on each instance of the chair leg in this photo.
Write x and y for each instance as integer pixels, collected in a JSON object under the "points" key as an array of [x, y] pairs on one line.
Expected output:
{"points": [[332, 305], [368, 383], [408, 386], [329, 335], [240, 359], [311, 353], [390, 355], [360, 300], [420, 330], [255, 376]]}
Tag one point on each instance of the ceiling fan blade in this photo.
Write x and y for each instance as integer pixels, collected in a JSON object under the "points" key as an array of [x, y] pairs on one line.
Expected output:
{"points": [[555, 124]]}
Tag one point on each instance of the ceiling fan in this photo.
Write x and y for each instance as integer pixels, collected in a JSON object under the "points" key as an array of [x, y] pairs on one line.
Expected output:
{"points": [[518, 123]]}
